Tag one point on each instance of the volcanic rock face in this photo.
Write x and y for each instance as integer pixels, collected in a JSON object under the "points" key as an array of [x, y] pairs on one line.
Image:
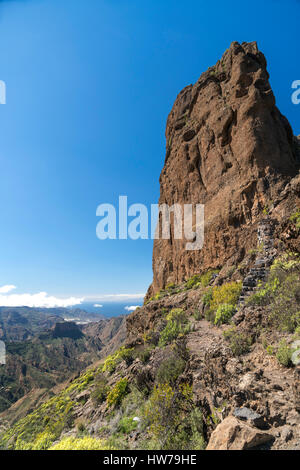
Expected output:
{"points": [[229, 148]]}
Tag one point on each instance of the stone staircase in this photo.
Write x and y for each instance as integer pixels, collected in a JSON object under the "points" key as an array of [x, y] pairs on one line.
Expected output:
{"points": [[263, 261]]}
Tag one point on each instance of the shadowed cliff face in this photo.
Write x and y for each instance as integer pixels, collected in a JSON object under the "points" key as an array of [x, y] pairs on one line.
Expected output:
{"points": [[230, 148]]}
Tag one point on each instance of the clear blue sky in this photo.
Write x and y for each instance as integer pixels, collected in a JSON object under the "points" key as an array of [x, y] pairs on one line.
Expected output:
{"points": [[89, 87]]}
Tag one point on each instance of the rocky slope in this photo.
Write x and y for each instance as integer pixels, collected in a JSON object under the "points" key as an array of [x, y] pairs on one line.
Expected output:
{"points": [[230, 148]]}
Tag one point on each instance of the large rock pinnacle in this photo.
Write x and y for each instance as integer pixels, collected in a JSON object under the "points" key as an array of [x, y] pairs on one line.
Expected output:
{"points": [[230, 148]]}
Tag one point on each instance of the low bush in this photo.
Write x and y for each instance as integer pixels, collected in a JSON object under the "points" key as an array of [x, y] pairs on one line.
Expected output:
{"points": [[224, 314], [126, 425], [144, 354], [122, 354], [170, 286], [197, 315], [169, 333], [264, 293], [175, 423], [101, 389], [206, 278], [207, 297], [42, 442], [193, 282], [295, 218], [281, 293], [178, 315], [228, 293], [202, 280], [284, 354]]}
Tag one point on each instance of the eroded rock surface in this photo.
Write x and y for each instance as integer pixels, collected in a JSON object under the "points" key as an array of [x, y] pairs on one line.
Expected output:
{"points": [[232, 434]]}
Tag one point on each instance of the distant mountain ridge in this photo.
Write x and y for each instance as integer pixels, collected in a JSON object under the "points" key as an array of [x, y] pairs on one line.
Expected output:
{"points": [[43, 350]]}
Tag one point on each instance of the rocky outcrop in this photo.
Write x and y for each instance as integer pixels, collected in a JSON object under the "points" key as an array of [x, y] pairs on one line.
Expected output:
{"points": [[229, 148], [232, 434], [52, 357]]}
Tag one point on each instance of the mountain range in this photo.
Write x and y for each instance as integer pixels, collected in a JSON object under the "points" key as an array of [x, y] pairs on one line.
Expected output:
{"points": [[211, 359]]}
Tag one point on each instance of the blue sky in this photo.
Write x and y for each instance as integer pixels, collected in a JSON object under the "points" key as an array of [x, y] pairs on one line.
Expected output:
{"points": [[89, 87]]}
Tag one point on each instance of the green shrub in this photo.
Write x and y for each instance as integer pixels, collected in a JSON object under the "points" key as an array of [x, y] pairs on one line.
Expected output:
{"points": [[197, 314], [174, 420], [177, 324], [170, 286], [284, 354], [207, 297], [169, 333], [113, 360], [46, 422], [239, 343], [270, 350], [206, 278], [116, 395], [297, 333], [133, 402], [228, 293], [178, 315], [285, 300], [194, 439], [193, 282], [160, 412], [202, 280], [81, 427], [170, 369], [224, 314], [264, 293], [126, 425], [151, 338], [281, 293], [172, 331], [42, 442]]}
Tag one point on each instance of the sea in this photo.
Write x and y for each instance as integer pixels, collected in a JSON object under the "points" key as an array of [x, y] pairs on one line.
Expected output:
{"points": [[109, 309]]}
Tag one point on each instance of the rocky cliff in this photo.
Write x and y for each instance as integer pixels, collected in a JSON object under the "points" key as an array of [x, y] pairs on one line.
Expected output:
{"points": [[229, 148], [211, 360]]}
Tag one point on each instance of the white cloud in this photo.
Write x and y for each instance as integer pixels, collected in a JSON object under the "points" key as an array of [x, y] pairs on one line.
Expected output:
{"points": [[132, 308], [98, 305], [6, 289], [116, 297], [41, 299]]}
